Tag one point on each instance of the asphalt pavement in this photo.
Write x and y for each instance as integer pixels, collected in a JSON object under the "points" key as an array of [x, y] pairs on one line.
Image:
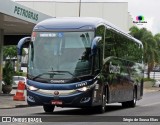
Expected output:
{"points": [[7, 102]]}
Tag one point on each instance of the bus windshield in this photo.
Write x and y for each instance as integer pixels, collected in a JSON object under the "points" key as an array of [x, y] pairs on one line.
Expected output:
{"points": [[60, 55]]}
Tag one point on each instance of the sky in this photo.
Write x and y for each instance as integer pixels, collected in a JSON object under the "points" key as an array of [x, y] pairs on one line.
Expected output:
{"points": [[150, 9]]}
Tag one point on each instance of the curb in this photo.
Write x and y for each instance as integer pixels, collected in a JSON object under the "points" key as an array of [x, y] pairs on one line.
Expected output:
{"points": [[7, 107], [1, 94], [14, 106], [146, 90], [22, 106]]}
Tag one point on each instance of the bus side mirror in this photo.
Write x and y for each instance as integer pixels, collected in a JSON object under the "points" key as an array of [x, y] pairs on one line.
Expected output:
{"points": [[94, 45], [20, 48]]}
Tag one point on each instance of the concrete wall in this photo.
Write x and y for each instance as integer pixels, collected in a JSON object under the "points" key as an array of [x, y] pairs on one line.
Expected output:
{"points": [[130, 21], [114, 12]]}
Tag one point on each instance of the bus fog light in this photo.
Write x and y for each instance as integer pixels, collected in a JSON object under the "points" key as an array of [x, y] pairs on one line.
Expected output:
{"points": [[30, 99], [85, 99]]}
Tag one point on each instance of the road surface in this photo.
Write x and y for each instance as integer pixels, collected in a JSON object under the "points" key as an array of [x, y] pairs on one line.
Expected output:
{"points": [[148, 106]]}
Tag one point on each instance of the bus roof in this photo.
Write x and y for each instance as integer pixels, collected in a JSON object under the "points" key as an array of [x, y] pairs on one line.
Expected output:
{"points": [[69, 23], [77, 23]]}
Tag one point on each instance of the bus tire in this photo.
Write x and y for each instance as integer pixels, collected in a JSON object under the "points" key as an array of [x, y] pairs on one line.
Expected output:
{"points": [[102, 108], [48, 108], [125, 104], [131, 103]]}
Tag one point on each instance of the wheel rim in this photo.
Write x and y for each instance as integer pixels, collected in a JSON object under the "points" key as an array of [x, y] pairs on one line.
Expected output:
{"points": [[134, 99], [104, 103]]}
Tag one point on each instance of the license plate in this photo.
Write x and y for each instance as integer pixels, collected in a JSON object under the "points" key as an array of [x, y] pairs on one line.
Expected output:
{"points": [[56, 102]]}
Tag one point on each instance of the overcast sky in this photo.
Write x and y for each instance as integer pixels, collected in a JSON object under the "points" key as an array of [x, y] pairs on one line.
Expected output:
{"points": [[150, 9]]}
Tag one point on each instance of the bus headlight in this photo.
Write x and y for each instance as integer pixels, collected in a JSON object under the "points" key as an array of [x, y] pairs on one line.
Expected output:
{"points": [[83, 89], [32, 88]]}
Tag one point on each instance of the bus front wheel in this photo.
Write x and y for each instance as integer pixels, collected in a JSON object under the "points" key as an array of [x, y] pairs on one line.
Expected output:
{"points": [[48, 108], [102, 107]]}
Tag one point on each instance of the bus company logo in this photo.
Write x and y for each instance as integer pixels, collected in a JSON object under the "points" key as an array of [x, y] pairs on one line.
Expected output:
{"points": [[56, 93], [114, 68], [139, 20], [57, 81], [81, 84]]}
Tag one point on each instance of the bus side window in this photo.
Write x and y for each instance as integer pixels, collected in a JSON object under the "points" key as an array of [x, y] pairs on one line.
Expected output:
{"points": [[100, 31], [109, 45]]}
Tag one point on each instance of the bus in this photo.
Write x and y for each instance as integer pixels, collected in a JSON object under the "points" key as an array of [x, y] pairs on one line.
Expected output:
{"points": [[82, 62]]}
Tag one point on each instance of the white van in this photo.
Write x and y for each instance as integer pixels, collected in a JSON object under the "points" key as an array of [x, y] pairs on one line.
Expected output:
{"points": [[16, 80]]}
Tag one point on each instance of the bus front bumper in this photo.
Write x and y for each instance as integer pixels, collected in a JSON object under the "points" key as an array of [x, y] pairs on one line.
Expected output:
{"points": [[74, 99]]}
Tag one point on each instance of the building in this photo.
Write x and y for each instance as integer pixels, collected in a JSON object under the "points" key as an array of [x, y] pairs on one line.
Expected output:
{"points": [[114, 12]]}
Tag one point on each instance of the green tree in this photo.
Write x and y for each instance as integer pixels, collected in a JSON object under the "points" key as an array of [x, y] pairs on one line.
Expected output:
{"points": [[150, 44], [135, 32], [8, 72], [9, 51], [151, 56], [157, 38]]}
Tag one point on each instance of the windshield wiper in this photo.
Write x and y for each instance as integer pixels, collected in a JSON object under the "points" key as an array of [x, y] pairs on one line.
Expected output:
{"points": [[46, 73], [55, 73], [66, 72]]}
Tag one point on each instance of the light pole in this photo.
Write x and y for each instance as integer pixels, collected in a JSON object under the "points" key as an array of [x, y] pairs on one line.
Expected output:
{"points": [[79, 8]]}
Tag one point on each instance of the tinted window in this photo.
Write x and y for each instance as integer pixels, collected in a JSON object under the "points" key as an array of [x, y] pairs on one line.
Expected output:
{"points": [[121, 46]]}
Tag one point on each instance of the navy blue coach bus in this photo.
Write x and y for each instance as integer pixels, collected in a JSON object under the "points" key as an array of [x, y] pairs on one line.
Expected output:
{"points": [[82, 62]]}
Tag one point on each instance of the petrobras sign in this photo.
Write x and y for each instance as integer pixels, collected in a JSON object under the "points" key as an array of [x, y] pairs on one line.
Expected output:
{"points": [[25, 13]]}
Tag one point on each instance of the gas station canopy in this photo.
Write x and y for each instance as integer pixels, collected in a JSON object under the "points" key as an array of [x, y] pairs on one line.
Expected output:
{"points": [[17, 21]]}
